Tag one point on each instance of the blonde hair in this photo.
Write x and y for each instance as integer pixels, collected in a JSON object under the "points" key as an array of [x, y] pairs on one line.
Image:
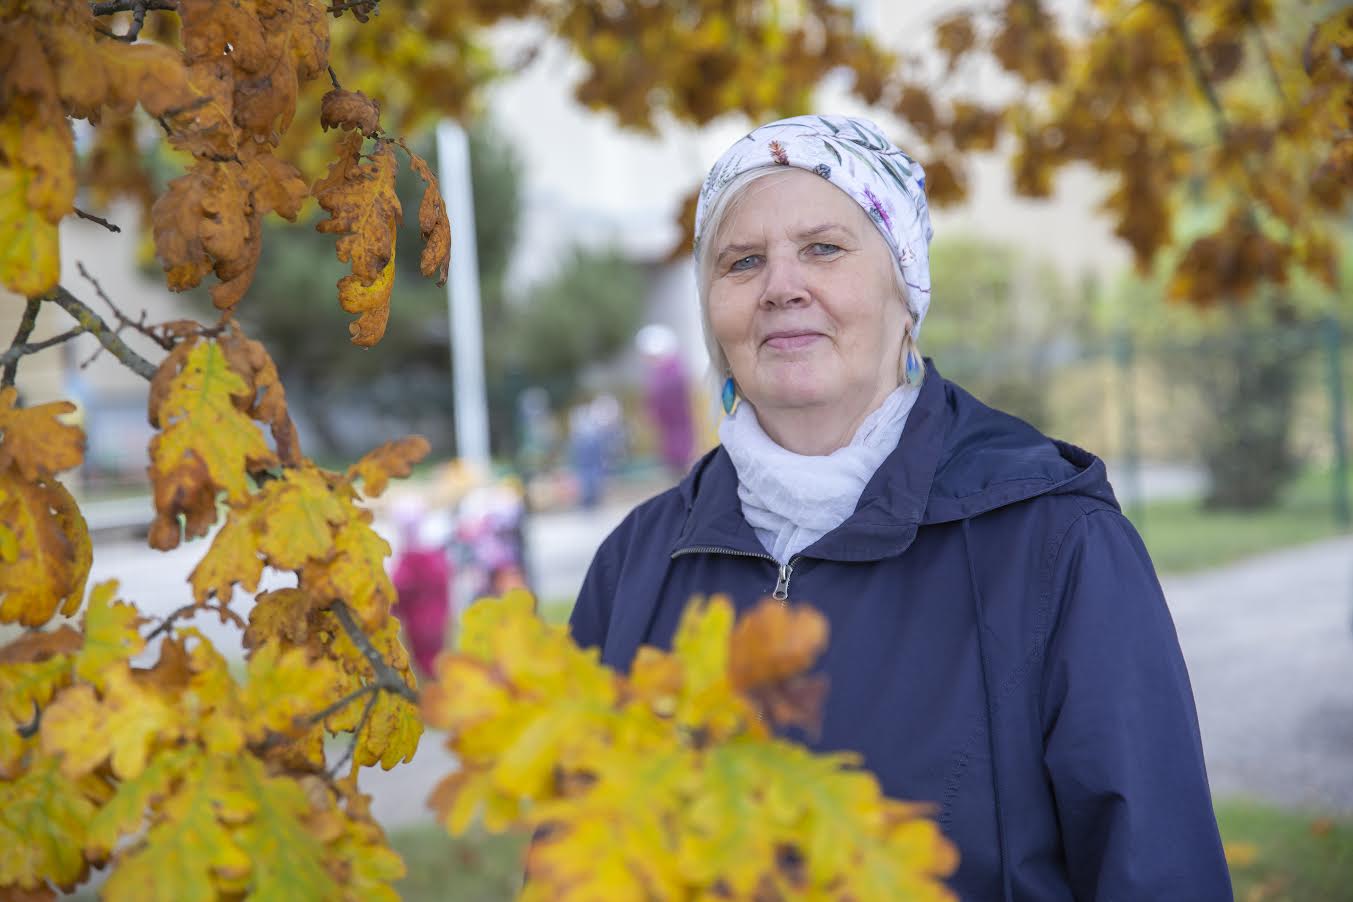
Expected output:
{"points": [[730, 197]]}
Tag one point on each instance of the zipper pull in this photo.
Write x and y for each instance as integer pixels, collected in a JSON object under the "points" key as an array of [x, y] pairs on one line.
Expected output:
{"points": [[781, 592]]}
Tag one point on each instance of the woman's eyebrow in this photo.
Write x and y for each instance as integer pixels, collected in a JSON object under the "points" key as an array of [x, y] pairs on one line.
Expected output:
{"points": [[738, 249], [819, 230]]}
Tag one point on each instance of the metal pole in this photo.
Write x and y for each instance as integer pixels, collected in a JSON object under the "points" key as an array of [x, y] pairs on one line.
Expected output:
{"points": [[1334, 357], [467, 339]]}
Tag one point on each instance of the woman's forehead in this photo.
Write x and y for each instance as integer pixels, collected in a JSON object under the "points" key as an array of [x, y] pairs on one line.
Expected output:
{"points": [[793, 203]]}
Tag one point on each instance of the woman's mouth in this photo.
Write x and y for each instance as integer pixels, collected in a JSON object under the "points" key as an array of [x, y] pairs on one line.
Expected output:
{"points": [[791, 341]]}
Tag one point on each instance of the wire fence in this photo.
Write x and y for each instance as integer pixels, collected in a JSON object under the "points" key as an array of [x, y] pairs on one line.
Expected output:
{"points": [[1230, 420]]}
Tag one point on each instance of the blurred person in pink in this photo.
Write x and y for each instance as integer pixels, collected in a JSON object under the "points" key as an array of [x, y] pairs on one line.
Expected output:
{"points": [[422, 578], [668, 397]]}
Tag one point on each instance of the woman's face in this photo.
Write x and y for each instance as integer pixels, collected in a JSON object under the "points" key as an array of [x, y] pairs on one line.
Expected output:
{"points": [[802, 299]]}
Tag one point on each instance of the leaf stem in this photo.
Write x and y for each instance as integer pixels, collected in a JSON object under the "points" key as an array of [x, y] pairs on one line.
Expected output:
{"points": [[356, 734]]}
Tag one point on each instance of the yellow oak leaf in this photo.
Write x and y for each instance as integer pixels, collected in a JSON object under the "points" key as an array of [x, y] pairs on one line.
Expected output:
{"points": [[49, 555], [232, 558], [369, 299], [282, 615], [356, 573], [86, 731], [206, 443], [287, 860], [188, 849], [43, 818], [392, 459], [25, 688], [294, 518], [110, 634], [282, 686], [30, 262], [391, 733], [125, 812]]}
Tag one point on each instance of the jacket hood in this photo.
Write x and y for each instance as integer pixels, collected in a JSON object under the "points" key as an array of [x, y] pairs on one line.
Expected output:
{"points": [[957, 459]]}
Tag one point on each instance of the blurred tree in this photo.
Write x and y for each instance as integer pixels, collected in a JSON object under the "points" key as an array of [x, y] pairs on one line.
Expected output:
{"points": [[586, 313]]}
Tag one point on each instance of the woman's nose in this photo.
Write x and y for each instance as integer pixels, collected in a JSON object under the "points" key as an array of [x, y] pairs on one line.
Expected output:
{"points": [[784, 285]]}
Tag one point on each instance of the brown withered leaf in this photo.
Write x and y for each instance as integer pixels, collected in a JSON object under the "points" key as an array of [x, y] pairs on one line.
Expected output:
{"points": [[432, 223], [974, 127], [267, 400], [392, 459], [31, 647], [349, 110], [363, 208], [955, 35]]}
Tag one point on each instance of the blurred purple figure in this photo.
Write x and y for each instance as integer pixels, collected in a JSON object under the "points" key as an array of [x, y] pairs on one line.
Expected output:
{"points": [[422, 578], [668, 397]]}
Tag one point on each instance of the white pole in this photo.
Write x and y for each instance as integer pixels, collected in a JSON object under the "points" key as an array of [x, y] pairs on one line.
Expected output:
{"points": [[467, 340]]}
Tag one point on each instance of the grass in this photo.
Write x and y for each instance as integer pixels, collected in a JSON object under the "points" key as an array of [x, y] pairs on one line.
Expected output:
{"points": [[1279, 856], [1182, 537], [1276, 856]]}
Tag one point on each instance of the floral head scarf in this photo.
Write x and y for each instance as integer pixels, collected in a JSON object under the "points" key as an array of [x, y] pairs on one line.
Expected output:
{"points": [[853, 154]]}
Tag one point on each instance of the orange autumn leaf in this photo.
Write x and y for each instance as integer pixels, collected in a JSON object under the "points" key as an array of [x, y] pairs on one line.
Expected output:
{"points": [[432, 223], [349, 110], [391, 460], [34, 440]]}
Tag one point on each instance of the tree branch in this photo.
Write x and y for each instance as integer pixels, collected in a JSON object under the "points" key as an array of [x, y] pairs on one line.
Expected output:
{"points": [[26, 326], [1199, 68], [123, 320], [387, 678], [1268, 57], [10, 358], [99, 219], [30, 729], [94, 324], [319, 716]]}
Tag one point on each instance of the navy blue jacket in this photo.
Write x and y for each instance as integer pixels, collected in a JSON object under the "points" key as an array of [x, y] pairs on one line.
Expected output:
{"points": [[999, 646]]}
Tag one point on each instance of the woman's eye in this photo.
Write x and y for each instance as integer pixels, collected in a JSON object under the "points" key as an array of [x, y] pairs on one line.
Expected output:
{"points": [[744, 264], [823, 249]]}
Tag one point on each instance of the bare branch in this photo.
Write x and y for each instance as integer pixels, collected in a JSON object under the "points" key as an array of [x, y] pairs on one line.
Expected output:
{"points": [[26, 326], [168, 621], [99, 219], [333, 77], [360, 8], [30, 729], [387, 678], [319, 716], [94, 324], [123, 320], [10, 359], [1199, 68]]}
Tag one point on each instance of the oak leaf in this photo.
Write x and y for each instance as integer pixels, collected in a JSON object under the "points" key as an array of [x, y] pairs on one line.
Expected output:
{"points": [[35, 440], [110, 634], [43, 823], [45, 550], [432, 223], [122, 726], [349, 110], [206, 444], [392, 459]]}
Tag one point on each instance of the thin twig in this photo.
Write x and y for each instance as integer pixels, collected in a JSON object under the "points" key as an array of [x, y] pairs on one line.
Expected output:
{"points": [[99, 219], [168, 621], [387, 678], [139, 325], [319, 716], [356, 734], [366, 6], [333, 77], [26, 326], [1199, 68], [10, 358], [94, 324]]}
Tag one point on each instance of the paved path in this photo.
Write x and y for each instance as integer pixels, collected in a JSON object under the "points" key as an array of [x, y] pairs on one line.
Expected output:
{"points": [[1269, 644]]}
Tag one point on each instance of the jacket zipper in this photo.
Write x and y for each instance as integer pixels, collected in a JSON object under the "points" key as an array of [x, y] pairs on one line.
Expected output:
{"points": [[786, 570]]}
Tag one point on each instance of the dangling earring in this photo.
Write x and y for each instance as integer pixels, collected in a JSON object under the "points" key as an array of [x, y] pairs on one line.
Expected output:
{"points": [[730, 395], [913, 366]]}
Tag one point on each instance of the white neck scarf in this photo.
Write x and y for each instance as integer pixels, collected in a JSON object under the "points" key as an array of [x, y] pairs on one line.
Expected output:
{"points": [[792, 500]]}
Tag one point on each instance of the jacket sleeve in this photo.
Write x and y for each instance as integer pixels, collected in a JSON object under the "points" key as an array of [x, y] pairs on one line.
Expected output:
{"points": [[591, 614], [1121, 740]]}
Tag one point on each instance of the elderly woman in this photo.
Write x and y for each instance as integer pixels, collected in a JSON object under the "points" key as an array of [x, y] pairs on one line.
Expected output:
{"points": [[1000, 646]]}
